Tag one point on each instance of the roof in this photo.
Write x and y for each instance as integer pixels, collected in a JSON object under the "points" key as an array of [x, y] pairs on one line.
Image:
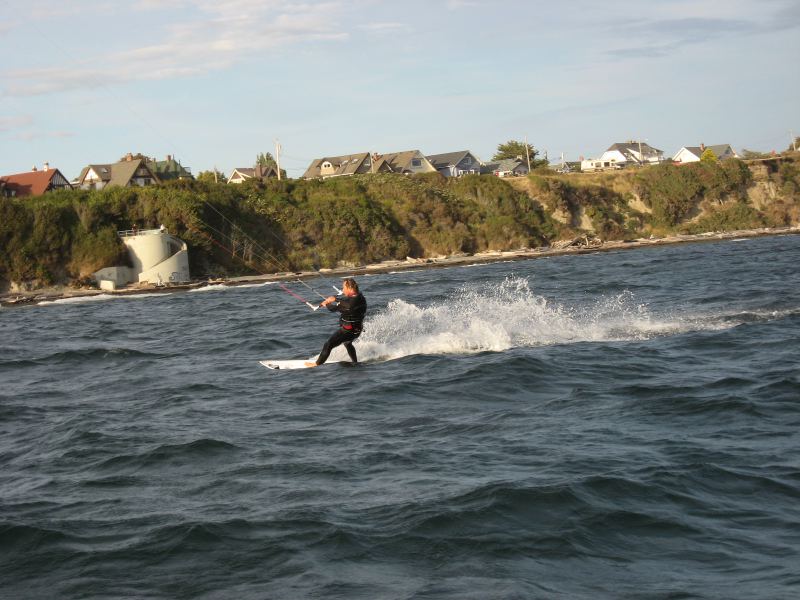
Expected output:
{"points": [[717, 149], [119, 173], [503, 166], [397, 162], [169, 169], [257, 171], [448, 159], [348, 164], [627, 148], [31, 183], [123, 172], [102, 171]]}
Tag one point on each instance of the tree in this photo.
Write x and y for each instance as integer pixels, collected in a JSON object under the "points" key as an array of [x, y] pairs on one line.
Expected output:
{"points": [[708, 156], [514, 149], [265, 159], [752, 154], [209, 176]]}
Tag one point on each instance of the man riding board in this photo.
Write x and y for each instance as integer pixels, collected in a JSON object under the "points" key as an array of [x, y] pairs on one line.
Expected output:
{"points": [[352, 307]]}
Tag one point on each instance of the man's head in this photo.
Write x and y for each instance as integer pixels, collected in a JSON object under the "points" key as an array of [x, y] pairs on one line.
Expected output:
{"points": [[349, 286]]}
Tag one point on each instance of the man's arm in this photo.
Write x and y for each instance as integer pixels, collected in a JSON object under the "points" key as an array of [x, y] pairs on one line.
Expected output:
{"points": [[330, 303]]}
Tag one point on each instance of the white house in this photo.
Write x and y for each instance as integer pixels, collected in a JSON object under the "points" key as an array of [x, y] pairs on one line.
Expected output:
{"points": [[689, 154], [625, 154], [633, 153]]}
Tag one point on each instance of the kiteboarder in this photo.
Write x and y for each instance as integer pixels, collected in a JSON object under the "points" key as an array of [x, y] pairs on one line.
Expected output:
{"points": [[353, 306]]}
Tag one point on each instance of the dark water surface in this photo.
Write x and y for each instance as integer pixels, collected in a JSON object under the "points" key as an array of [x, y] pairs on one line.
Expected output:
{"points": [[616, 425]]}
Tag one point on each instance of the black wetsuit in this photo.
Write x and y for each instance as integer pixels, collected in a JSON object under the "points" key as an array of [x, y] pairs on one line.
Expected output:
{"points": [[352, 309]]}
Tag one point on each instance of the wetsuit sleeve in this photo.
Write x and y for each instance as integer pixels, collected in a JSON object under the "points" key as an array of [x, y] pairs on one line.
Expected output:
{"points": [[338, 305]]}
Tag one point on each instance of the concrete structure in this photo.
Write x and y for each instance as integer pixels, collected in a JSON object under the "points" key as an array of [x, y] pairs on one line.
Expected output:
{"points": [[157, 257]]}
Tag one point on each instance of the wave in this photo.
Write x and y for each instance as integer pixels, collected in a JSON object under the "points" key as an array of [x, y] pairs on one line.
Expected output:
{"points": [[83, 354], [496, 318], [202, 449], [100, 298], [500, 317]]}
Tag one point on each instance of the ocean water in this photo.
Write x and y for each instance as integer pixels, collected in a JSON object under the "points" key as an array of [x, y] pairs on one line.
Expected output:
{"points": [[612, 425]]}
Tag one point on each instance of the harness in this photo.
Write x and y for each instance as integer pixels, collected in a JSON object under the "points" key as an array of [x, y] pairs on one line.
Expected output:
{"points": [[350, 323]]}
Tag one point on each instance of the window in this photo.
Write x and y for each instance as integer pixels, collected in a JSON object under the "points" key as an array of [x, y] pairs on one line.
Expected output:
{"points": [[415, 162]]}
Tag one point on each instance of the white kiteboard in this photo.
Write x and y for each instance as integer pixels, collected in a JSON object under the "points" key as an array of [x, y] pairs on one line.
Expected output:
{"points": [[291, 364]]}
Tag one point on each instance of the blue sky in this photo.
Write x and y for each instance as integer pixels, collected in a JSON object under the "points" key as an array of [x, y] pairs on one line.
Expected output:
{"points": [[215, 82]]}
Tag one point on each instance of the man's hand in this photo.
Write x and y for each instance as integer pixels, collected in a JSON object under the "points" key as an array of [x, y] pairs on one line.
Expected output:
{"points": [[328, 300]]}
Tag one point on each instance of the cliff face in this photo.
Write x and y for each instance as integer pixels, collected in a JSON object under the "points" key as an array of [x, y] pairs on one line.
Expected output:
{"points": [[64, 236], [672, 199]]}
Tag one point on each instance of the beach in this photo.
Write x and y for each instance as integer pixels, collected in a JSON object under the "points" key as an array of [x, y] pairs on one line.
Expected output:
{"points": [[578, 245]]}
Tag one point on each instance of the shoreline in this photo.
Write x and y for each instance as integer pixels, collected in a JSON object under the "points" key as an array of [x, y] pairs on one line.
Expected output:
{"points": [[561, 248]]}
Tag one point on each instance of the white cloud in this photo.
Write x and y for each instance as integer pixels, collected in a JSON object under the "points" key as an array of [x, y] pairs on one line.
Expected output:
{"points": [[217, 35], [28, 136], [459, 4], [12, 123]]}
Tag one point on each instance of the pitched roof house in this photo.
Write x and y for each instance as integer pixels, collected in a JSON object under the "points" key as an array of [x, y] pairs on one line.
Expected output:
{"points": [[33, 183], [632, 153], [508, 167], [689, 154], [169, 169], [408, 162], [338, 166], [128, 172], [455, 164], [241, 174]]}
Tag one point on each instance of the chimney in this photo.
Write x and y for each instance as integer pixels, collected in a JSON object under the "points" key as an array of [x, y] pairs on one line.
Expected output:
{"points": [[33, 168], [702, 147], [46, 166], [129, 157], [169, 157]]}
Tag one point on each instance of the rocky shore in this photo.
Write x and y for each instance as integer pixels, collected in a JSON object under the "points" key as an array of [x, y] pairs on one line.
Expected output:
{"points": [[579, 245]]}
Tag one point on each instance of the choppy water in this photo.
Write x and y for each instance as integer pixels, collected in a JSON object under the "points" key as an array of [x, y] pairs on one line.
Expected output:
{"points": [[617, 425]]}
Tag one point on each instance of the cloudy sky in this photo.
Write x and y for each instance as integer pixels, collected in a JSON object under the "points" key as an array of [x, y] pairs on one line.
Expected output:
{"points": [[215, 82]]}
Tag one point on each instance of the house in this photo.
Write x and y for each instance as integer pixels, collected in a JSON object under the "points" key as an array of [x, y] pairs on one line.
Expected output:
{"points": [[169, 169], [632, 153], [508, 167], [339, 166], [242, 174], [129, 172], [408, 162], [456, 164], [689, 154], [33, 183]]}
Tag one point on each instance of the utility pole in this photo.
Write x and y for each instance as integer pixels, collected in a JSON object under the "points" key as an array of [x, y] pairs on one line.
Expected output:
{"points": [[278, 157], [215, 174], [794, 140], [641, 158], [528, 154]]}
